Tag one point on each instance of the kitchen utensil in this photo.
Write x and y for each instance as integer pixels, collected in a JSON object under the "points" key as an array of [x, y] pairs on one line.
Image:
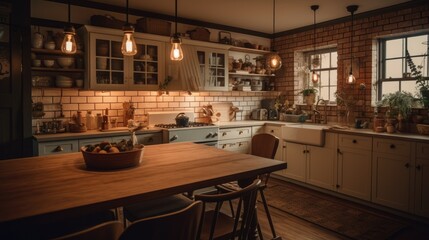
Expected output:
{"points": [[182, 120], [65, 62], [48, 62], [111, 161]]}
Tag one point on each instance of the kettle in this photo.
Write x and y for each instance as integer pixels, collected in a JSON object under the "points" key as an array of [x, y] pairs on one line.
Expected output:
{"points": [[182, 120]]}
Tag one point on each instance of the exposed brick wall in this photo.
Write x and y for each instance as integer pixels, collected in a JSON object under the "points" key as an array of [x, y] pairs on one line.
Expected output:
{"points": [[367, 29]]}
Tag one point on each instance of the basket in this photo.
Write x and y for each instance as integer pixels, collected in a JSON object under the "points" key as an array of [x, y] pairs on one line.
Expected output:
{"points": [[154, 26], [112, 161], [423, 129], [202, 34], [106, 21]]}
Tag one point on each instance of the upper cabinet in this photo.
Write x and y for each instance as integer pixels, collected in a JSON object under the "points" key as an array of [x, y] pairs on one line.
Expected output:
{"points": [[108, 69], [213, 68]]}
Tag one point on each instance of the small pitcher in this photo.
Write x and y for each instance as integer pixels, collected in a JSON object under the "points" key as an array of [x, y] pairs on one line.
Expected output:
{"points": [[37, 41]]}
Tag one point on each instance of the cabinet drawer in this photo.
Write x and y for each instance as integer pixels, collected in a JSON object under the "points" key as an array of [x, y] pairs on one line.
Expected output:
{"points": [[231, 133], [390, 146], [355, 142], [241, 145], [274, 130], [58, 147], [422, 150], [150, 138]]}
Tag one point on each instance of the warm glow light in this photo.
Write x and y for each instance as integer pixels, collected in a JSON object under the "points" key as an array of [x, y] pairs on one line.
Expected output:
{"points": [[128, 47], [69, 43], [315, 77], [274, 62], [176, 53], [351, 79]]}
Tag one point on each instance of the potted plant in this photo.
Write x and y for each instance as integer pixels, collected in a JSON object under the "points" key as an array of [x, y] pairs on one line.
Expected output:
{"points": [[422, 82], [399, 106], [309, 95]]}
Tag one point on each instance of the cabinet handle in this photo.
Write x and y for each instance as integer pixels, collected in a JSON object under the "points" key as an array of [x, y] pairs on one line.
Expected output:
{"points": [[418, 167], [407, 165], [150, 139], [224, 134], [392, 146], [304, 151], [354, 141], [272, 131], [339, 151], [58, 149], [240, 132]]}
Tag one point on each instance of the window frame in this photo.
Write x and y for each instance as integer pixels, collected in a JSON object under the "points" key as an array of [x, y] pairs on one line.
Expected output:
{"points": [[332, 82], [381, 75]]}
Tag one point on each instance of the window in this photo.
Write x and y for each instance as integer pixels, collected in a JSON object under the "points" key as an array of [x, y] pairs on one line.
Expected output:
{"points": [[327, 70], [394, 73]]}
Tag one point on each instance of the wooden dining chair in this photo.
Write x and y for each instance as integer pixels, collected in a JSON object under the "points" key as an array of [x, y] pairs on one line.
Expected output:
{"points": [[107, 231], [217, 223], [263, 145], [178, 225]]}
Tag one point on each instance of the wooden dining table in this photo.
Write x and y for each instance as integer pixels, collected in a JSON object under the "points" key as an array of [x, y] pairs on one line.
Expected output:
{"points": [[46, 187]]}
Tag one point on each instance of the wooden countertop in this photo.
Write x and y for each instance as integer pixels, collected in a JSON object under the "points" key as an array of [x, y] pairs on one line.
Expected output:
{"points": [[50, 186]]}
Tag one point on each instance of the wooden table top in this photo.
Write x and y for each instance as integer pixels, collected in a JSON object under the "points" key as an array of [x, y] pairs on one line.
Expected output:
{"points": [[47, 186]]}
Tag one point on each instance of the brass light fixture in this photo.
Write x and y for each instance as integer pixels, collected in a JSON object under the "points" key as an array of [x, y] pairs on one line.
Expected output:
{"points": [[351, 79], [176, 53], [128, 47], [273, 60], [315, 77], [68, 45]]}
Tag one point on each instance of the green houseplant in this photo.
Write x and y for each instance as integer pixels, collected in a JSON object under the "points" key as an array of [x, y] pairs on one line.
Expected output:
{"points": [[309, 94], [399, 106], [422, 82]]}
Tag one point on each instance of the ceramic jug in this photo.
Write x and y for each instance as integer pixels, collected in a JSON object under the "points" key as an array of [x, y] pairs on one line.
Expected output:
{"points": [[37, 41]]}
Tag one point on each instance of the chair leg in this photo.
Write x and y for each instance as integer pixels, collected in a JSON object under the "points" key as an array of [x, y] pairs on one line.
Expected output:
{"points": [[267, 212]]}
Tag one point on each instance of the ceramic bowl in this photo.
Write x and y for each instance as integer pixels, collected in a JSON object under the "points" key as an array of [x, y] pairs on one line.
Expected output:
{"points": [[112, 161], [50, 45], [64, 81], [65, 62], [37, 62], [48, 62]]}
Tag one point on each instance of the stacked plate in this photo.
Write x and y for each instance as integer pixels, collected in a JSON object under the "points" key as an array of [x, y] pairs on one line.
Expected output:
{"points": [[64, 81]]}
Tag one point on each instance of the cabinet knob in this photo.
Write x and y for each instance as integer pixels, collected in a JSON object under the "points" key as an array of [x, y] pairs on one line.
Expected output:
{"points": [[58, 149], [304, 151], [175, 137], [407, 165], [272, 130], [418, 167], [214, 134], [150, 139], [224, 134], [354, 141], [339, 151], [392, 146], [337, 186], [224, 146], [240, 132]]}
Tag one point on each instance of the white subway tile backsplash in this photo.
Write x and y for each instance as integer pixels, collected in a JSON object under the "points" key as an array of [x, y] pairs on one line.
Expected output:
{"points": [[173, 104], [78, 100], [149, 99], [95, 99], [69, 92], [110, 99], [86, 93], [86, 107], [117, 93]]}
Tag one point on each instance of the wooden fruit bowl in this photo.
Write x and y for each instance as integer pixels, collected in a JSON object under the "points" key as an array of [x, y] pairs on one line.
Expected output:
{"points": [[112, 161]]}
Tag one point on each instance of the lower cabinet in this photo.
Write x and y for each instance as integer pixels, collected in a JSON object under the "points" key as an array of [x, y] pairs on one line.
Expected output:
{"points": [[311, 164], [275, 130], [236, 139], [422, 180], [68, 146], [354, 166]]}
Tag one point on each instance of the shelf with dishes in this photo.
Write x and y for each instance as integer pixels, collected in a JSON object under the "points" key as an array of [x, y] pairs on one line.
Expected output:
{"points": [[57, 69], [250, 74], [248, 50], [55, 80], [54, 52]]}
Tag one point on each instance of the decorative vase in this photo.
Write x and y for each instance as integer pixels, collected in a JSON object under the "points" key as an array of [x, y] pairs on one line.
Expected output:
{"points": [[37, 41], [425, 97]]}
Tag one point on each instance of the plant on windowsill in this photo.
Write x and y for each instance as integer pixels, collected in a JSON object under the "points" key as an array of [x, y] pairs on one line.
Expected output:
{"points": [[422, 82], [399, 106], [309, 94]]}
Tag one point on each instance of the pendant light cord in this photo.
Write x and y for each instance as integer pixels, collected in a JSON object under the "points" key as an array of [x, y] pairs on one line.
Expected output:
{"points": [[274, 23], [351, 47], [69, 10], [314, 31], [175, 18], [127, 10]]}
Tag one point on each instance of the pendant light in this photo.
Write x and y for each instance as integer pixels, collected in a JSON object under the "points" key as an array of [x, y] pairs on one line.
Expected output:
{"points": [[273, 60], [68, 45], [351, 79], [314, 77], [176, 53], [128, 47]]}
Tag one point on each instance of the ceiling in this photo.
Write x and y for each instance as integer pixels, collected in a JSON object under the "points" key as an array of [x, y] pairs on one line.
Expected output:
{"points": [[255, 15]]}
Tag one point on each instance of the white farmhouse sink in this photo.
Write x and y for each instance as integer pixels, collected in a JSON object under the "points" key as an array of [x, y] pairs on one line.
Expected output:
{"points": [[304, 133]]}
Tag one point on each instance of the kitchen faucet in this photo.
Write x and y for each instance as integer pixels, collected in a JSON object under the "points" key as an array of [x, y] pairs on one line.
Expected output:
{"points": [[318, 119]]}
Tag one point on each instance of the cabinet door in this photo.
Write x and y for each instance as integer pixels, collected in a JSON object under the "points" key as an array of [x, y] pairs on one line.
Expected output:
{"points": [[241, 145], [391, 181], [354, 173], [150, 138], [213, 68], [107, 65], [422, 180], [295, 157], [148, 65], [320, 163]]}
